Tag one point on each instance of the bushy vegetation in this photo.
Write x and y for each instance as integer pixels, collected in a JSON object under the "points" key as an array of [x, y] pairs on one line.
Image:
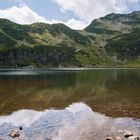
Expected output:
{"points": [[126, 47], [6, 42], [38, 56], [100, 30], [16, 31]]}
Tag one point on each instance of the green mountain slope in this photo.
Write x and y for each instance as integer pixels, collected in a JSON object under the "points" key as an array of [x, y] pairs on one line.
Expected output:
{"points": [[121, 36], [125, 48], [115, 23], [112, 40]]}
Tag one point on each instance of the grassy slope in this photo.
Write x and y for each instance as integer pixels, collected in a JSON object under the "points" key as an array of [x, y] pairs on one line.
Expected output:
{"points": [[119, 35], [109, 41]]}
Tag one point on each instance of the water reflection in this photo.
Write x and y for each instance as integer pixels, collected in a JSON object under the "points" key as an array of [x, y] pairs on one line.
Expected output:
{"points": [[114, 92], [76, 122]]}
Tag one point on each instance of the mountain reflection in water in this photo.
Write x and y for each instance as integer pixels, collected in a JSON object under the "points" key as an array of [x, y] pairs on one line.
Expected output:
{"points": [[114, 92]]}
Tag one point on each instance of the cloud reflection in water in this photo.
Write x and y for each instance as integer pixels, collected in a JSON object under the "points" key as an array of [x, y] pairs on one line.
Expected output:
{"points": [[76, 122]]}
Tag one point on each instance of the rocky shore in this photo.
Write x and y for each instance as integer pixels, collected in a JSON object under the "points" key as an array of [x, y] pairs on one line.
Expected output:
{"points": [[124, 135], [17, 134]]}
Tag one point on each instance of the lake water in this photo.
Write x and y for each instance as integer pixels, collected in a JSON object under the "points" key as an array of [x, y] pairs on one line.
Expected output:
{"points": [[43, 96]]}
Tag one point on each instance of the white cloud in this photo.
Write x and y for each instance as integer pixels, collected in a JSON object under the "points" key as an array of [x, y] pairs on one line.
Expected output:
{"points": [[72, 23], [85, 10], [24, 15], [88, 10], [21, 15], [76, 24]]}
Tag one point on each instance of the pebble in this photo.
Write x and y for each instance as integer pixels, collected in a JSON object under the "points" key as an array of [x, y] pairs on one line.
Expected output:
{"points": [[134, 138], [14, 134]]}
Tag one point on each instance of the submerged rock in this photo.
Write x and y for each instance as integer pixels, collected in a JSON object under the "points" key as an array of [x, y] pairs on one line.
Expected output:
{"points": [[110, 138], [15, 133], [118, 138], [127, 134], [121, 131], [134, 138]]}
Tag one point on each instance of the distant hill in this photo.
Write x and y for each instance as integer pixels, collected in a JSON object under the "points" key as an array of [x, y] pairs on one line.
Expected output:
{"points": [[113, 40]]}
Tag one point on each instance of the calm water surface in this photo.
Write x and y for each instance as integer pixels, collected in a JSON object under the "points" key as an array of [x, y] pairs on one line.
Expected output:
{"points": [[114, 92]]}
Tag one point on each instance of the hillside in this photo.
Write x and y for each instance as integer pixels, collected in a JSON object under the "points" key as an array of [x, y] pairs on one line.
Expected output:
{"points": [[112, 40], [115, 23]]}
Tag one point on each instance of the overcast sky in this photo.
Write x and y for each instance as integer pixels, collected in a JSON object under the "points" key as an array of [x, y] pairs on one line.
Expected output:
{"points": [[76, 14]]}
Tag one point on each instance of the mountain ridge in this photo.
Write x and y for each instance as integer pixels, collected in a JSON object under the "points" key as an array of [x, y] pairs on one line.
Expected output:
{"points": [[112, 40]]}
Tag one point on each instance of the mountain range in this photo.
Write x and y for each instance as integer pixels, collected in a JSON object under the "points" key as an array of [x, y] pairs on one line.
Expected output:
{"points": [[110, 41]]}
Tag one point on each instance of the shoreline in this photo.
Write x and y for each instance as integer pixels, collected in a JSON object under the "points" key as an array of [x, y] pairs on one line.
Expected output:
{"points": [[69, 68]]}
